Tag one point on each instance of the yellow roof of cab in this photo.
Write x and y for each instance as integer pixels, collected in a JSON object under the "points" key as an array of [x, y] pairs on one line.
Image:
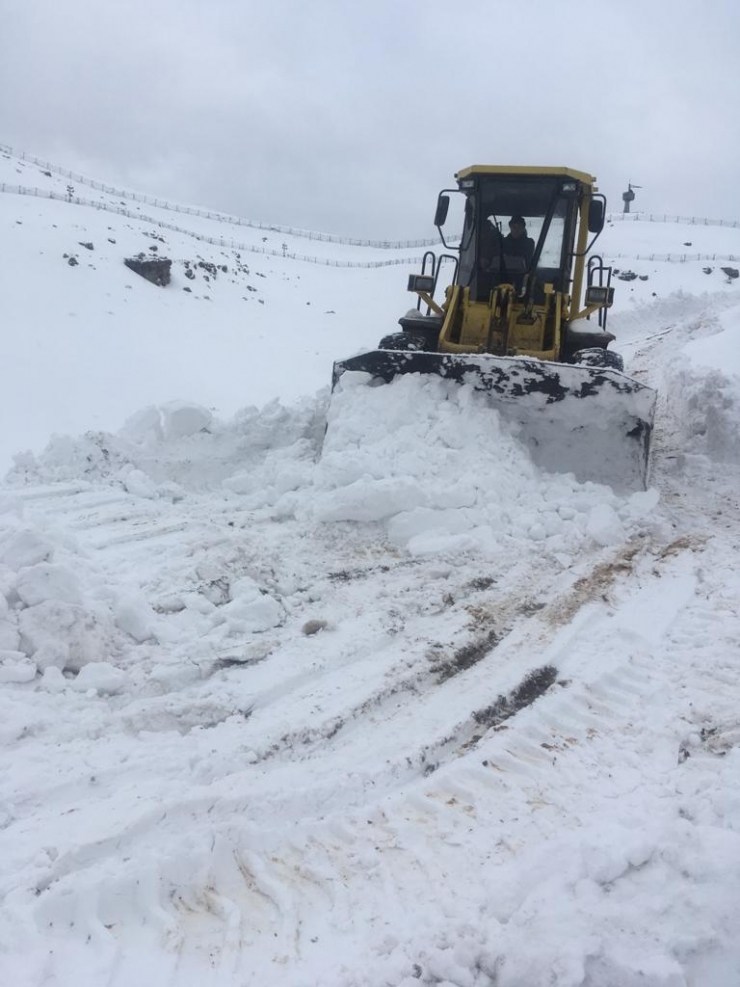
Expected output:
{"points": [[473, 170]]}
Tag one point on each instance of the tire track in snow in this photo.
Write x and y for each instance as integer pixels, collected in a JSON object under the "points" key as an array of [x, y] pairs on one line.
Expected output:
{"points": [[570, 720], [577, 713], [392, 870]]}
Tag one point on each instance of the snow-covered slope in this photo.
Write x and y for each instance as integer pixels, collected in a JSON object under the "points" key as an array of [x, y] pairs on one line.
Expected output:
{"points": [[91, 343], [411, 713]]}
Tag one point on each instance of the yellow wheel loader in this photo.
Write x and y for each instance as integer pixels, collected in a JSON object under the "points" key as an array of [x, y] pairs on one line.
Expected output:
{"points": [[516, 322]]}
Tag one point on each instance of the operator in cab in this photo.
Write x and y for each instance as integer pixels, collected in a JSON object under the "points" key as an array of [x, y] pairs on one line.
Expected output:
{"points": [[516, 242]]}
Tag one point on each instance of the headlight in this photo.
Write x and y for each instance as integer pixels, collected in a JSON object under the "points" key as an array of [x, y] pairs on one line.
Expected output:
{"points": [[599, 296], [421, 282]]}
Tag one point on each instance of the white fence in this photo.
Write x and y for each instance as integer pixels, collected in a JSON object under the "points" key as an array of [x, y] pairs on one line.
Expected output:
{"points": [[642, 217], [407, 261], [311, 234], [217, 216], [216, 241], [675, 258]]}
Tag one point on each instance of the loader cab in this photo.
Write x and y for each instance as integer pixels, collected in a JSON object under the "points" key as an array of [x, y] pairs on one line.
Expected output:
{"points": [[550, 201]]}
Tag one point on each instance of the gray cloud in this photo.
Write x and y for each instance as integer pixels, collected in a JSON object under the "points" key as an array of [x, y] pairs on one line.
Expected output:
{"points": [[347, 117]]}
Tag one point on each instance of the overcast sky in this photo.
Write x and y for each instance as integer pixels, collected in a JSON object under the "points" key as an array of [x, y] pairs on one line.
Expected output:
{"points": [[349, 117]]}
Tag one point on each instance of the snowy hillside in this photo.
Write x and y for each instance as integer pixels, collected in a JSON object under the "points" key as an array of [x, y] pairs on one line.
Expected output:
{"points": [[411, 711], [92, 343]]}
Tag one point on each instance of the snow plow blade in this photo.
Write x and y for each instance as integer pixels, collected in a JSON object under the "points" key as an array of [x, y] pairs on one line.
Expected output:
{"points": [[594, 422]]}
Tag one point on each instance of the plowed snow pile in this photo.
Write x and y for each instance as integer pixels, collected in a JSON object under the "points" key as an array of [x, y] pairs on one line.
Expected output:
{"points": [[448, 479]]}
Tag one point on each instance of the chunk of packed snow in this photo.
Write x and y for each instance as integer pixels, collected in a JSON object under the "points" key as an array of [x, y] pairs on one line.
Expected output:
{"points": [[11, 654], [370, 499], [52, 680], [23, 546], [52, 654], [180, 419], [641, 503], [87, 632], [244, 588], [249, 608], [282, 471], [7, 582], [134, 616], [16, 667], [604, 526], [145, 424], [10, 505], [139, 484], [9, 636], [48, 581], [100, 676]]}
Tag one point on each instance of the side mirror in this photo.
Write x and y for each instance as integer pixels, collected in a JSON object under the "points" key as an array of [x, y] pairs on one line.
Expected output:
{"points": [[443, 204], [596, 216]]}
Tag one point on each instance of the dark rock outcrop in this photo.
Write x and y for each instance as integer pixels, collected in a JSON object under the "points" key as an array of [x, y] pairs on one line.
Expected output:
{"points": [[154, 269]]}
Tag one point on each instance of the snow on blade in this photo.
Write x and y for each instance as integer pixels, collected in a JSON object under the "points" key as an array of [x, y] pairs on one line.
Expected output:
{"points": [[594, 423], [436, 461]]}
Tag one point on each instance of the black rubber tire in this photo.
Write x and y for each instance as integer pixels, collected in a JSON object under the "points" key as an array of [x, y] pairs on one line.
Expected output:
{"points": [[404, 341], [597, 356]]}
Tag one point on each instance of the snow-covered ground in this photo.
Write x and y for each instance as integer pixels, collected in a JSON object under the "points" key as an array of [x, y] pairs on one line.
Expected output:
{"points": [[410, 712]]}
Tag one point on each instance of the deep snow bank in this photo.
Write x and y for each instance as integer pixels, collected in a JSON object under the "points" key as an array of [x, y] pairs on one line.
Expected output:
{"points": [[424, 464], [702, 393], [429, 459], [427, 463]]}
